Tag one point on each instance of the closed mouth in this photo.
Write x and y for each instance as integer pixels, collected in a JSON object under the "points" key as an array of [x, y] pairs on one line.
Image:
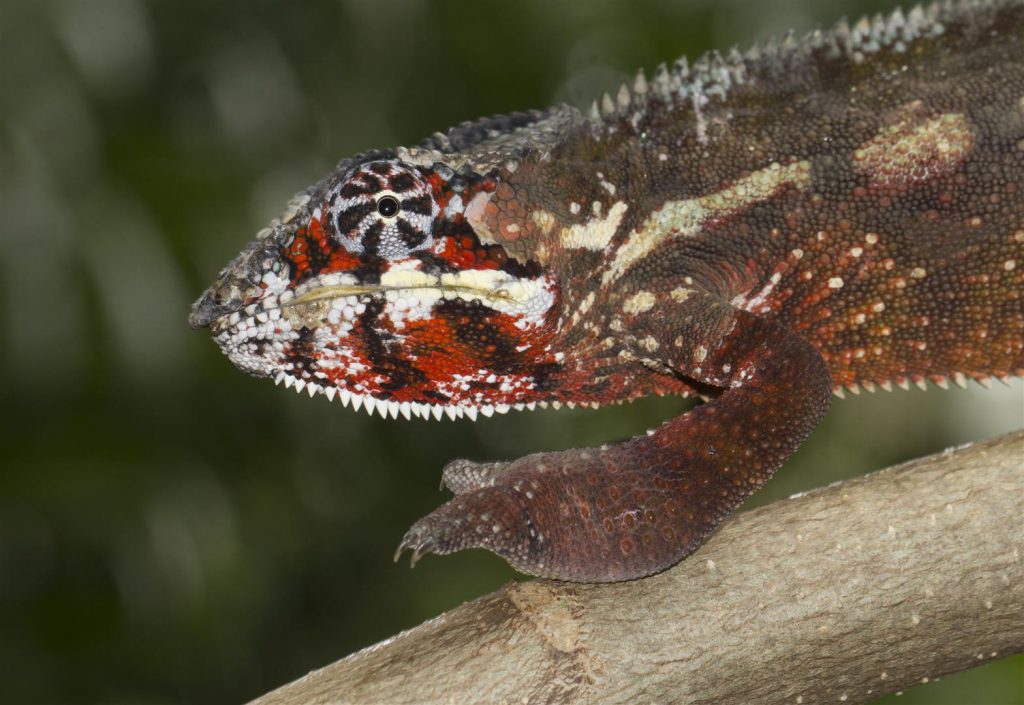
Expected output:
{"points": [[484, 285]]}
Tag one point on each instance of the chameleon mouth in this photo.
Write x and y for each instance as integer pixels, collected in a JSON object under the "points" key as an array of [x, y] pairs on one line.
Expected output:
{"points": [[341, 291], [493, 287]]}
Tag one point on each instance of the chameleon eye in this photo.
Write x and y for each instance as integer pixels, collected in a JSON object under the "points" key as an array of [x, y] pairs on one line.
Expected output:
{"points": [[383, 208], [388, 206]]}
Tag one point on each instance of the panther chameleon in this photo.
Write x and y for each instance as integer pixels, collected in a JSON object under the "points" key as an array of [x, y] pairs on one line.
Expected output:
{"points": [[762, 230]]}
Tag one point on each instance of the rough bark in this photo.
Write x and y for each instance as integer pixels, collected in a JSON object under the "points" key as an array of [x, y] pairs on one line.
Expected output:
{"points": [[844, 594]]}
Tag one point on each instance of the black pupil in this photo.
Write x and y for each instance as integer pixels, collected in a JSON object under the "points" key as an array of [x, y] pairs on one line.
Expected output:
{"points": [[387, 206]]}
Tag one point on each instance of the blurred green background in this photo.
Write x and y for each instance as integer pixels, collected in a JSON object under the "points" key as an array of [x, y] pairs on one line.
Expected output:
{"points": [[172, 531]]}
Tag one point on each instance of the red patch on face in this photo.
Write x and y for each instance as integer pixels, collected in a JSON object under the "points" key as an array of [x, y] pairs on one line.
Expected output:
{"points": [[313, 243], [463, 252], [297, 254], [471, 356]]}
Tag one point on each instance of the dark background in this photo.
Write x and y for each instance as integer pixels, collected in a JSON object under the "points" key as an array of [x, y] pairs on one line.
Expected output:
{"points": [[173, 531]]}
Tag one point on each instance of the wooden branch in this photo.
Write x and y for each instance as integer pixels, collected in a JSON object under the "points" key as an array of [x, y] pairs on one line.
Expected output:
{"points": [[844, 594]]}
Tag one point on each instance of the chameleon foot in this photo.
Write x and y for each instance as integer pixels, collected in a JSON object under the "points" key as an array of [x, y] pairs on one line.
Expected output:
{"points": [[495, 518]]}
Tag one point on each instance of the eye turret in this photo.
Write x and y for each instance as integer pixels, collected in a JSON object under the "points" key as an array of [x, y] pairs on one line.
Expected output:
{"points": [[383, 208]]}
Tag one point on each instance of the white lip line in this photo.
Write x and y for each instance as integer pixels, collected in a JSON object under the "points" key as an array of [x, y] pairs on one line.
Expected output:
{"points": [[503, 289], [340, 291]]}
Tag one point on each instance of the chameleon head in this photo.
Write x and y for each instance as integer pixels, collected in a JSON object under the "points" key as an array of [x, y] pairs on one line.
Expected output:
{"points": [[375, 286]]}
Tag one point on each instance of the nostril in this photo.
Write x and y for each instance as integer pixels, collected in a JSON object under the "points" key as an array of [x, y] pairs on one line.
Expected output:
{"points": [[204, 311]]}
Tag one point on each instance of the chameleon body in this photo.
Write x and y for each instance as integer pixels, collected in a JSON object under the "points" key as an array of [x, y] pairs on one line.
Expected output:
{"points": [[762, 230]]}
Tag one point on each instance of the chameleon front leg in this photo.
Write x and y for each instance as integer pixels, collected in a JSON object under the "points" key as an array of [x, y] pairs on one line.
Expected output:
{"points": [[631, 509]]}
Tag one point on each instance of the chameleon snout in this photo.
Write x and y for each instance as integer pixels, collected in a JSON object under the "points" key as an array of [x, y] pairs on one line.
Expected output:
{"points": [[238, 286], [207, 309]]}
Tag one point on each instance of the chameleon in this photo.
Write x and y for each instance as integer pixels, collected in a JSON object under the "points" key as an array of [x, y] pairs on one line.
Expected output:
{"points": [[761, 230]]}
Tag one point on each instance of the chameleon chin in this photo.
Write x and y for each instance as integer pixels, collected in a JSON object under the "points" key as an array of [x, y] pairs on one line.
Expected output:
{"points": [[764, 229]]}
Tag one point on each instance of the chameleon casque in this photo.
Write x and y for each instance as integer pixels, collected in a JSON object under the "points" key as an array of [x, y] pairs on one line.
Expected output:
{"points": [[761, 230]]}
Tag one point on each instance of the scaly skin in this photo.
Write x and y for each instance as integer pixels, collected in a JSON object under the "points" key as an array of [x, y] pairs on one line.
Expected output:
{"points": [[761, 230]]}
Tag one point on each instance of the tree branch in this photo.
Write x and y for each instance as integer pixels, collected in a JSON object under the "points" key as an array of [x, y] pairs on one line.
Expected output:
{"points": [[844, 594]]}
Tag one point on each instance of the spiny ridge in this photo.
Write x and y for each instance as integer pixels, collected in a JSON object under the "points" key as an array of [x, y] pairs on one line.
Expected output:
{"points": [[940, 381], [407, 409], [712, 75]]}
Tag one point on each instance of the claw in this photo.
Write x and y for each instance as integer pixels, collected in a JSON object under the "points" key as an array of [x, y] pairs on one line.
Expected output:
{"points": [[406, 545], [414, 541]]}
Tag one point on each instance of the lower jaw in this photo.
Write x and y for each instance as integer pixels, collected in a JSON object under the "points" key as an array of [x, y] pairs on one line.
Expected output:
{"points": [[409, 409]]}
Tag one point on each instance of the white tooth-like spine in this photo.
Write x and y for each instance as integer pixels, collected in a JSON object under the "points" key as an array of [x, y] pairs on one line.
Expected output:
{"points": [[607, 105], [623, 97], [640, 83], [661, 79]]}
